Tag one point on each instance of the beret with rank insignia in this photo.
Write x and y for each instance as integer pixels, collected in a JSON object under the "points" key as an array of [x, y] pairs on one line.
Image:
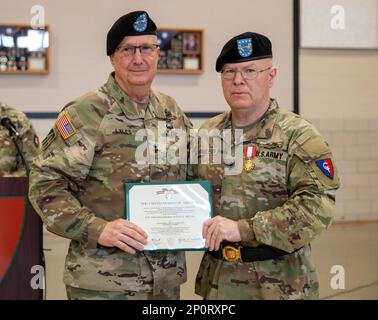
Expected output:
{"points": [[247, 46], [136, 23]]}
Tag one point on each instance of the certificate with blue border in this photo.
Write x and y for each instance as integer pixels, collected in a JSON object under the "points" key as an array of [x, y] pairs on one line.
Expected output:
{"points": [[171, 213]]}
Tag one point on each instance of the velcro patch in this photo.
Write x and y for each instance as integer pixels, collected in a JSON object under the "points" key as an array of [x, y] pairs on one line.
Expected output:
{"points": [[326, 166], [65, 126]]}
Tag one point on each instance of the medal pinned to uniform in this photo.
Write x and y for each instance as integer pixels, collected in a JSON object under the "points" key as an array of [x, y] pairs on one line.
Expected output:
{"points": [[248, 155]]}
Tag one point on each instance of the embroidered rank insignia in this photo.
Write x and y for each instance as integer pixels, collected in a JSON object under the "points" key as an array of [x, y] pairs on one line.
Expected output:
{"points": [[326, 167], [65, 126]]}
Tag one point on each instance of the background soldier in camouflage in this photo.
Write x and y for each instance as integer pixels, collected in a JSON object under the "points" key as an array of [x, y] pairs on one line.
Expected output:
{"points": [[11, 164], [77, 185], [259, 242]]}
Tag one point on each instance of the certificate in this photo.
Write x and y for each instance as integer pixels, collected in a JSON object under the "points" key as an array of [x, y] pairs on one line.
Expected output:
{"points": [[171, 213]]}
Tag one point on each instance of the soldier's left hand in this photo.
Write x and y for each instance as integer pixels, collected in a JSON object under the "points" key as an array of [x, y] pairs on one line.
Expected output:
{"points": [[217, 229]]}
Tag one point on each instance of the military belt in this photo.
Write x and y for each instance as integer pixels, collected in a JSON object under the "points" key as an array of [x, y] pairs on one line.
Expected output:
{"points": [[236, 252]]}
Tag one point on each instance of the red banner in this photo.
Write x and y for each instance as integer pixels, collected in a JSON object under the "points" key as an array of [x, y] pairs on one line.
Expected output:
{"points": [[12, 215]]}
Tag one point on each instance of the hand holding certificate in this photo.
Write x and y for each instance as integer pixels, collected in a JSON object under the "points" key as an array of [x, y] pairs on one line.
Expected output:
{"points": [[171, 213]]}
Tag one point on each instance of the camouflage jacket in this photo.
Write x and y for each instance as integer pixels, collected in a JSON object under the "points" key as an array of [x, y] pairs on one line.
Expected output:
{"points": [[285, 201], [11, 164], [77, 185]]}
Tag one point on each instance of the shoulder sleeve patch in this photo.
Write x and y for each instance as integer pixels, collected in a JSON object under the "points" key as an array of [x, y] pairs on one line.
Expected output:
{"points": [[36, 141], [317, 157], [65, 126], [326, 166]]}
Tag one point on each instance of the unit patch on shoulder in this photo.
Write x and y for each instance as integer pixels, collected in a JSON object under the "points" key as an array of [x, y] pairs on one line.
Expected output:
{"points": [[326, 166], [65, 126], [36, 141]]}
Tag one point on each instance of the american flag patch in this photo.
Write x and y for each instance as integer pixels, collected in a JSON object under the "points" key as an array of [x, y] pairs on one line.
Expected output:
{"points": [[65, 126]]}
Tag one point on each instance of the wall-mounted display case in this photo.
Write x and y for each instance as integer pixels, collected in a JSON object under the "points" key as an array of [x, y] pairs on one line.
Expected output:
{"points": [[24, 50], [181, 50]]}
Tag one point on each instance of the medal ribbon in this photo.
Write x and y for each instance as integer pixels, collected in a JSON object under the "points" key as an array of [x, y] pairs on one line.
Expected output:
{"points": [[249, 152]]}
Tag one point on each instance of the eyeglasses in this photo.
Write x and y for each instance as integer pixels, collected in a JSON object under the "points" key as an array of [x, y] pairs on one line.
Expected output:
{"points": [[247, 73], [144, 49]]}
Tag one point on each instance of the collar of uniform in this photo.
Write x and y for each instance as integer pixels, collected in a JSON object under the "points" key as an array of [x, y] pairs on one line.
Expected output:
{"points": [[9, 112], [130, 108], [3, 108], [155, 110], [263, 128]]}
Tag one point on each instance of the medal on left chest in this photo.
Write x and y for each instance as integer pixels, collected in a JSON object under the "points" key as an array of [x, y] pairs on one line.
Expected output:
{"points": [[248, 155]]}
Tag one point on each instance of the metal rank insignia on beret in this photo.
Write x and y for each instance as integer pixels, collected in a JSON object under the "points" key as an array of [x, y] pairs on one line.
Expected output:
{"points": [[248, 154], [245, 47], [140, 23]]}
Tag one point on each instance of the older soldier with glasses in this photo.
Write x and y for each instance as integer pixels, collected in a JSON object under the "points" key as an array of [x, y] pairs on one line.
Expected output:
{"points": [[282, 198], [77, 185]]}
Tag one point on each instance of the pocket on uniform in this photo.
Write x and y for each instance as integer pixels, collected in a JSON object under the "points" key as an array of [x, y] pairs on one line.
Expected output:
{"points": [[320, 164]]}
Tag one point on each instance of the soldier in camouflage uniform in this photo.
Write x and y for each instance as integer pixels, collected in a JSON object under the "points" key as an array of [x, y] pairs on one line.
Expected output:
{"points": [[77, 185], [11, 162], [282, 198]]}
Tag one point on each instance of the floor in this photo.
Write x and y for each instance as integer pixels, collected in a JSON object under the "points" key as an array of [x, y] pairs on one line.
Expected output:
{"points": [[353, 246]]}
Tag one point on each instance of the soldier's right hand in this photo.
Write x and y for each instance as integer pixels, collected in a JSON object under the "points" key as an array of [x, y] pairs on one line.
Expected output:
{"points": [[124, 235]]}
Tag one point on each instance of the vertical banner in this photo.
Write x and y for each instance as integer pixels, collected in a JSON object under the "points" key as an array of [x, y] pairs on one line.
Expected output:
{"points": [[20, 243]]}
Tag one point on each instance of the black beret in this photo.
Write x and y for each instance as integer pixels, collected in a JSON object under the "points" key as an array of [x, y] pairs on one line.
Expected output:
{"points": [[136, 23], [247, 46]]}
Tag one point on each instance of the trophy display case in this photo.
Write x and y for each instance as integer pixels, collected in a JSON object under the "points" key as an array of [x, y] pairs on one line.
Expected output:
{"points": [[181, 50], [24, 50]]}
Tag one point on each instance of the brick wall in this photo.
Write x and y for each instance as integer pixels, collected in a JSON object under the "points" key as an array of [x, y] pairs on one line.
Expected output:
{"points": [[354, 144]]}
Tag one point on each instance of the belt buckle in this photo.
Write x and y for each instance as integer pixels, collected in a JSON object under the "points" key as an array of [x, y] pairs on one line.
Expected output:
{"points": [[231, 253]]}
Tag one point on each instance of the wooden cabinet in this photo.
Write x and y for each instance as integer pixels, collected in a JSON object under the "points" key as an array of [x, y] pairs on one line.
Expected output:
{"points": [[24, 50], [181, 51]]}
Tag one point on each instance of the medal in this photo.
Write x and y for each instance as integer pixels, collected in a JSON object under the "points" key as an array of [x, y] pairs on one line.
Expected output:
{"points": [[248, 165], [249, 153]]}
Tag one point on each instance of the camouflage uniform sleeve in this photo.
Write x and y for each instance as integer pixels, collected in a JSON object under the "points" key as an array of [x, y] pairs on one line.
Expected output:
{"points": [[309, 209], [30, 143], [55, 181]]}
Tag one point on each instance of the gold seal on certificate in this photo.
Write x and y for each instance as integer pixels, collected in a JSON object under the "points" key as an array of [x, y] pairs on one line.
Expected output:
{"points": [[171, 213]]}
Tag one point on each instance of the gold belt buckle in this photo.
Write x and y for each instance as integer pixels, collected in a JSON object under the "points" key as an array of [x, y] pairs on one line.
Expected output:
{"points": [[231, 253]]}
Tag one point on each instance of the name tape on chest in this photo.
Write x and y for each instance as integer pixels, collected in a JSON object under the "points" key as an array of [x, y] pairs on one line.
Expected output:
{"points": [[270, 154]]}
